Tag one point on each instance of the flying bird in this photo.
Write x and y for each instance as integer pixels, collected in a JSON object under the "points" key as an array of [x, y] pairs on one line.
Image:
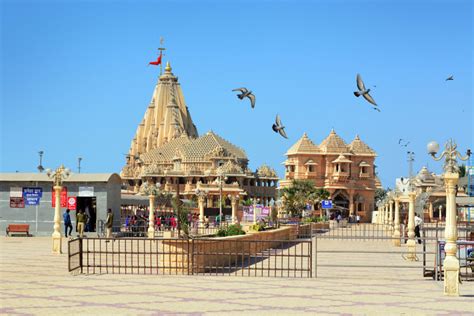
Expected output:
{"points": [[246, 93], [450, 78], [403, 143], [363, 91], [278, 127], [376, 108]]}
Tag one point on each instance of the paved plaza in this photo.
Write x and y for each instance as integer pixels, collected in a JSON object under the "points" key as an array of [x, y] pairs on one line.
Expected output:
{"points": [[36, 282]]}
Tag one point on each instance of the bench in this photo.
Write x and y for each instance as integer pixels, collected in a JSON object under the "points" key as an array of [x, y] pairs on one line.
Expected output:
{"points": [[18, 228]]}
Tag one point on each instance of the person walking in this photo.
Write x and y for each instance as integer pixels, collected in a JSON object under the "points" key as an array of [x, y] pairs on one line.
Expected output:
{"points": [[67, 223], [109, 223], [418, 222], [80, 219]]}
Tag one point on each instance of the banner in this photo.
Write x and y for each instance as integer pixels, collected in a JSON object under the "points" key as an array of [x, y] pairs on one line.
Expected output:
{"points": [[63, 197], [16, 192], [262, 212]]}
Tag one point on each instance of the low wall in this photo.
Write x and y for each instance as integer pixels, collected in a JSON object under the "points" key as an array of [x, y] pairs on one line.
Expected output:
{"points": [[196, 255]]}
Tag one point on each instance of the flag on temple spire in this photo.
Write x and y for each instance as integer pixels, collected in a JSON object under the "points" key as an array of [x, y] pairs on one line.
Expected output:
{"points": [[157, 62]]}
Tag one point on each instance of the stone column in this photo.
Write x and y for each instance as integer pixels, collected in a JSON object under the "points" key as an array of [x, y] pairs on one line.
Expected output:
{"points": [[235, 204], [396, 224], [411, 227], [351, 203], [440, 214], [451, 263], [385, 220], [390, 215], [57, 240], [201, 200], [151, 217], [431, 211]]}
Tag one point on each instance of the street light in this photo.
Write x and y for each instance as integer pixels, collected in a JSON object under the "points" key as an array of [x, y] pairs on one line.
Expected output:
{"points": [[201, 195], [255, 201], [451, 177], [152, 191], [221, 177], [79, 159], [58, 176], [40, 166], [411, 244]]}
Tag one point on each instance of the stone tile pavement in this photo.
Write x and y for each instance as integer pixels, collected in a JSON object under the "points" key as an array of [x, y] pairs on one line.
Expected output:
{"points": [[35, 282]]}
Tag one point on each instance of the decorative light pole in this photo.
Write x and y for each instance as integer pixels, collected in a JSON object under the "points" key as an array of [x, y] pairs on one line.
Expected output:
{"points": [[152, 190], [58, 176], [451, 176], [396, 221], [40, 166], [79, 159], [222, 178], [390, 212], [201, 195], [255, 201]]}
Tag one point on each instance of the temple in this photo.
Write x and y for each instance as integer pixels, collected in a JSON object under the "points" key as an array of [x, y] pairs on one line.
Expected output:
{"points": [[347, 171], [167, 149]]}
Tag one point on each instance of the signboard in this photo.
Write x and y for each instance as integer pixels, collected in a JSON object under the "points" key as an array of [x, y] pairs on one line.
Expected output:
{"points": [[262, 212], [326, 203], [17, 202], [16, 192], [86, 191], [63, 197], [71, 202], [32, 195]]}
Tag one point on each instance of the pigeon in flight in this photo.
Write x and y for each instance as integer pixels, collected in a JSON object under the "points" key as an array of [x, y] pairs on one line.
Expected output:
{"points": [[278, 127], [376, 109], [246, 93], [404, 144], [363, 91], [450, 78]]}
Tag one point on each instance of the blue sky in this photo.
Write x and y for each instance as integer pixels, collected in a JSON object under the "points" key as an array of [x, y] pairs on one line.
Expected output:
{"points": [[75, 81]]}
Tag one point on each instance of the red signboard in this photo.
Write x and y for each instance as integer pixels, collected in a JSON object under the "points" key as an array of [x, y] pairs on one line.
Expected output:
{"points": [[71, 202], [63, 197], [17, 202]]}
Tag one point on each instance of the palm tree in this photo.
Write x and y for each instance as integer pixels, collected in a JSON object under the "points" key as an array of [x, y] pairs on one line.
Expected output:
{"points": [[299, 194]]}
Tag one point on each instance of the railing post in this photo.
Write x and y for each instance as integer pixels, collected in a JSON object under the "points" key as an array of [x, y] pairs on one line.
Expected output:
{"points": [[80, 254]]}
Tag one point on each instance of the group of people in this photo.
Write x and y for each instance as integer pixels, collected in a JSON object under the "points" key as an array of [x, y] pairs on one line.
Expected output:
{"points": [[82, 220]]}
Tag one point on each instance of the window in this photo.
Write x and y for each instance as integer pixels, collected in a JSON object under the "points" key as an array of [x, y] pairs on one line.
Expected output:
{"points": [[310, 168]]}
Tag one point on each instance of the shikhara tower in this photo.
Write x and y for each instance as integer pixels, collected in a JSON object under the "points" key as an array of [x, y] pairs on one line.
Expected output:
{"points": [[167, 149]]}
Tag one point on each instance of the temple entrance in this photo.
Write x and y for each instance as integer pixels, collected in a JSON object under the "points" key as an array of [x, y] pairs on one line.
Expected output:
{"points": [[89, 207], [340, 202]]}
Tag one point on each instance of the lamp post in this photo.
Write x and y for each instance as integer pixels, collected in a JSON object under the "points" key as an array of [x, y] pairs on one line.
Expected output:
{"points": [[40, 166], [152, 190], [411, 244], [58, 176], [221, 178], [255, 201], [201, 195], [79, 159], [451, 176], [396, 221]]}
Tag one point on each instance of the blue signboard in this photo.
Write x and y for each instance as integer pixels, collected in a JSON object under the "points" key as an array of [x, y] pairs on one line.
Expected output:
{"points": [[326, 204], [32, 195]]}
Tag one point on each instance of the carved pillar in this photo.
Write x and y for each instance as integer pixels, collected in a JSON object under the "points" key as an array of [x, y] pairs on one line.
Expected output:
{"points": [[411, 227], [451, 263], [431, 211], [151, 217], [235, 204], [57, 240], [201, 200], [385, 220], [390, 215], [396, 224], [440, 214]]}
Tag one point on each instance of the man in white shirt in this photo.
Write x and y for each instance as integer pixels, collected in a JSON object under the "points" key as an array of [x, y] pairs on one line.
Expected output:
{"points": [[418, 222]]}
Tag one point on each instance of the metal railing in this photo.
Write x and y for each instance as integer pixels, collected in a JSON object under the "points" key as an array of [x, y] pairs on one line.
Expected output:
{"points": [[204, 256]]}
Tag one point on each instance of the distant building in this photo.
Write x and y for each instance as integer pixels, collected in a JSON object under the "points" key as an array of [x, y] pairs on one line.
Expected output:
{"points": [[94, 192], [166, 149], [347, 171]]}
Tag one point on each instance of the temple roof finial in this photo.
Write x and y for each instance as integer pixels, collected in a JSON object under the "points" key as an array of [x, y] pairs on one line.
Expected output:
{"points": [[168, 67]]}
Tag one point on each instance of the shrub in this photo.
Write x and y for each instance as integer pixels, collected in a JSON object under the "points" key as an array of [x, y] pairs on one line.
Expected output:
{"points": [[258, 227], [231, 230]]}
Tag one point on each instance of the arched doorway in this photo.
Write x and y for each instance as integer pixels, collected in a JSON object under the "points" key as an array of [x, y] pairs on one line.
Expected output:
{"points": [[340, 201]]}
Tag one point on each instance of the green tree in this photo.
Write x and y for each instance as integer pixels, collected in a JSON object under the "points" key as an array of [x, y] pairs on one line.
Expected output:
{"points": [[462, 170], [300, 193], [380, 194]]}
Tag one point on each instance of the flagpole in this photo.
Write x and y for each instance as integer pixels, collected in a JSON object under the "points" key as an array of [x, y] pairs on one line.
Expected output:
{"points": [[161, 49]]}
